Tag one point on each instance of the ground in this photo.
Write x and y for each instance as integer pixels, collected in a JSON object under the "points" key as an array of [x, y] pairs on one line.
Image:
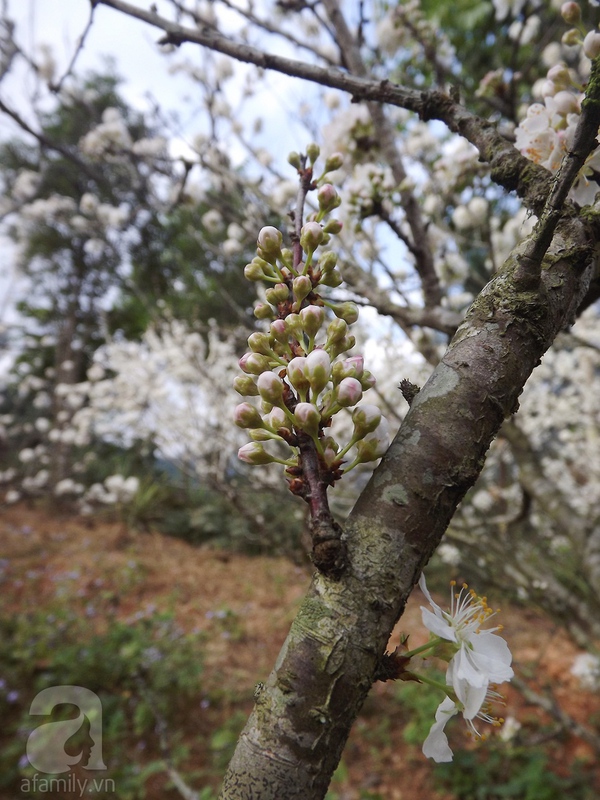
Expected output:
{"points": [[244, 606]]}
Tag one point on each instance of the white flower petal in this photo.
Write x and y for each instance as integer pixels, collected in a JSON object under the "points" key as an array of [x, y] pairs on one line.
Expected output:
{"points": [[436, 744]]}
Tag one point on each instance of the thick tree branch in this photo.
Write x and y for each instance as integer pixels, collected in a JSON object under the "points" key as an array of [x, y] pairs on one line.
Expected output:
{"points": [[296, 733]]}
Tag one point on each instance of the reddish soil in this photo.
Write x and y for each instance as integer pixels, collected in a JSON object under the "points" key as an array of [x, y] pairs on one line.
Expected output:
{"points": [[246, 606]]}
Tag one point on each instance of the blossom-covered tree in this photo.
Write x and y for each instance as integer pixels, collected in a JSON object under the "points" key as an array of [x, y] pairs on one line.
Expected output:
{"points": [[465, 142]]}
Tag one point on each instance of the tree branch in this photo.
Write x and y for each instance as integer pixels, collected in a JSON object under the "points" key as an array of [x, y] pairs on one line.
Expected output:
{"points": [[508, 167]]}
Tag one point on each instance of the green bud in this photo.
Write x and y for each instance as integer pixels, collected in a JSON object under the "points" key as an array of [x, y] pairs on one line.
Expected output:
{"points": [[334, 161], [278, 293], [312, 318], [245, 385], [334, 226], [347, 311], [327, 261], [311, 236], [253, 272], [294, 159], [263, 311], [259, 343], [313, 151], [302, 287], [332, 278], [336, 330]]}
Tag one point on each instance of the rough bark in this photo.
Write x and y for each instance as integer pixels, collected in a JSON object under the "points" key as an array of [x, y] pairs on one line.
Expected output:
{"points": [[303, 714]]}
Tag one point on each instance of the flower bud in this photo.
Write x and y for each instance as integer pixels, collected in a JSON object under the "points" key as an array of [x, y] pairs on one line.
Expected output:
{"points": [[366, 419], [313, 151], [571, 13], [332, 279], [566, 103], [318, 370], [263, 311], [346, 311], [302, 287], [375, 444], [327, 261], [367, 380], [254, 363], [279, 331], [269, 241], [276, 419], [277, 294], [334, 161], [254, 453], [253, 271], [296, 371], [312, 318], [260, 435], [246, 416], [259, 343], [293, 324], [307, 418], [328, 198], [336, 330], [270, 387], [245, 385], [349, 368], [294, 159], [571, 38], [591, 45], [311, 236], [560, 76], [349, 392], [333, 227]]}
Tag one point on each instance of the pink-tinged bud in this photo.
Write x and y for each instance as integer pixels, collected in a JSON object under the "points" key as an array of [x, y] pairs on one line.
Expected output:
{"points": [[334, 161], [328, 198], [296, 371], [367, 380], [254, 363], [277, 294], [559, 75], [313, 151], [571, 13], [375, 444], [307, 418], [254, 453], [263, 311], [259, 343], [270, 241], [333, 227], [246, 416], [333, 278], [336, 330], [302, 287], [318, 370], [279, 331], [312, 318], [311, 236], [327, 261], [276, 419], [366, 419], [346, 311], [270, 387], [350, 368], [293, 324], [349, 392], [591, 45], [245, 385]]}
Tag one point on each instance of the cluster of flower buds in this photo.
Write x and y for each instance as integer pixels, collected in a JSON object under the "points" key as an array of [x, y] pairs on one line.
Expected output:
{"points": [[300, 369]]}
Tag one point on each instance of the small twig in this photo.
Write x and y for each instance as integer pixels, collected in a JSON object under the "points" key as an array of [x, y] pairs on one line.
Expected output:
{"points": [[550, 705], [80, 45]]}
